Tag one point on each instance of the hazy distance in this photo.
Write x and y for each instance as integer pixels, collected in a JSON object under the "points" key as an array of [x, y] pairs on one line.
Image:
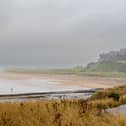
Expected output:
{"points": [[59, 33]]}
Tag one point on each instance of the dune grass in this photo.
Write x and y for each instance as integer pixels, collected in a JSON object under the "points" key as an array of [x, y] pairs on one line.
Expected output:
{"points": [[91, 112], [60, 113], [120, 90], [56, 113]]}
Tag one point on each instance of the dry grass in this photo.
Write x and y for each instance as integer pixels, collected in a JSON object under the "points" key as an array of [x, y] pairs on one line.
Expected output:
{"points": [[56, 113], [101, 100], [65, 112], [121, 90]]}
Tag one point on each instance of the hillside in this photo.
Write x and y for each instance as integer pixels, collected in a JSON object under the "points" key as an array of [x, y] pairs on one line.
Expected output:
{"points": [[114, 61], [106, 67], [111, 64]]}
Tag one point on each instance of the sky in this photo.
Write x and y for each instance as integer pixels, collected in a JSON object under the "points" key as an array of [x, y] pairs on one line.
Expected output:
{"points": [[59, 33]]}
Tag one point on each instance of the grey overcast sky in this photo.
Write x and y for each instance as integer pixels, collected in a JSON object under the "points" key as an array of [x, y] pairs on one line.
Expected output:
{"points": [[59, 33]]}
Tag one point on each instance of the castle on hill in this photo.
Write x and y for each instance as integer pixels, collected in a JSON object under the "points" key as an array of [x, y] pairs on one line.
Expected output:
{"points": [[113, 56]]}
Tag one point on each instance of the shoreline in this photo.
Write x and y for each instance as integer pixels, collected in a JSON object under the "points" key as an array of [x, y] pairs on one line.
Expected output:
{"points": [[23, 97], [68, 79], [88, 85]]}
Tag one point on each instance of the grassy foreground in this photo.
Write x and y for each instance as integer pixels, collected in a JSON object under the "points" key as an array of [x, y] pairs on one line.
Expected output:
{"points": [[66, 112], [56, 113]]}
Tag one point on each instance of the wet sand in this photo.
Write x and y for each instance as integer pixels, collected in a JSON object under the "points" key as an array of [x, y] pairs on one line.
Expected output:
{"points": [[23, 83], [69, 80]]}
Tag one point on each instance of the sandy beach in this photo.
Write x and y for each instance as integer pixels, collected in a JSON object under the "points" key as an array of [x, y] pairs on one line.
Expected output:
{"points": [[22, 83], [68, 80]]}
